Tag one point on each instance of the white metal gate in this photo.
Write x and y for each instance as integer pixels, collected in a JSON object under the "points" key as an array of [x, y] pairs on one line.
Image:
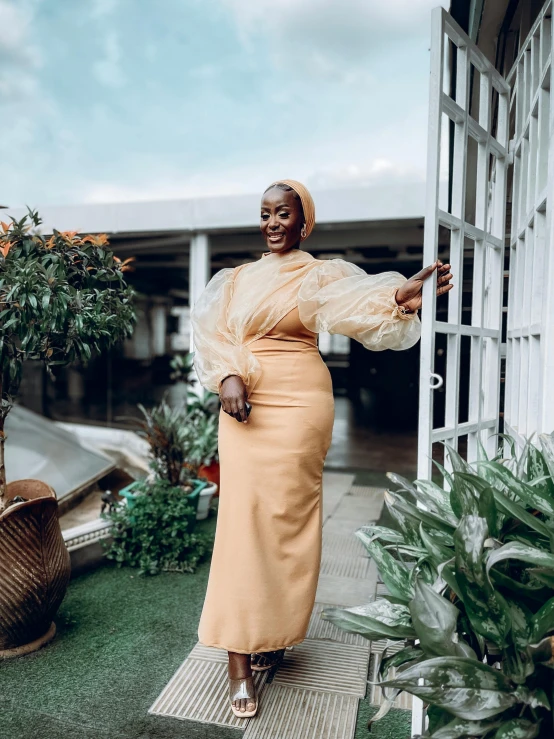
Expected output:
{"points": [[529, 400], [468, 143], [475, 217]]}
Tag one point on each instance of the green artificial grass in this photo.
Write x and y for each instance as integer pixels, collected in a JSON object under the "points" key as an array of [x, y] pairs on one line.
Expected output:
{"points": [[120, 638], [396, 724]]}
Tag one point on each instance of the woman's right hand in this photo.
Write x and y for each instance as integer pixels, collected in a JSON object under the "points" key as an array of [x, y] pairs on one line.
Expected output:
{"points": [[233, 397]]}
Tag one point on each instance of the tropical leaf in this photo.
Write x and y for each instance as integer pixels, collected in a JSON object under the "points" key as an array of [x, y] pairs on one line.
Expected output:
{"points": [[466, 688], [547, 444], [436, 549], [436, 500], [461, 728], [402, 483], [394, 574], [381, 533], [522, 552], [486, 608], [376, 620], [398, 503], [518, 728], [543, 621], [463, 497], [435, 620], [537, 499]]}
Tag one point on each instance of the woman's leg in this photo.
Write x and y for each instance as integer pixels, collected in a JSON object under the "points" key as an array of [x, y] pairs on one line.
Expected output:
{"points": [[266, 660], [239, 668]]}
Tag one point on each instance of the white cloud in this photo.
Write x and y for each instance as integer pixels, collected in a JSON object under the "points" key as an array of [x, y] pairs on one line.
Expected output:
{"points": [[19, 56], [329, 37], [103, 8], [108, 70]]}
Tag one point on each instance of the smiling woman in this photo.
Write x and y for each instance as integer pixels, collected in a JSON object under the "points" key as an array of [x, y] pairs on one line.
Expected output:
{"points": [[255, 330]]}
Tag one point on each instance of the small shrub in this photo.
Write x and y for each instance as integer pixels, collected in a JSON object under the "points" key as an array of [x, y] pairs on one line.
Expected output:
{"points": [[157, 532]]}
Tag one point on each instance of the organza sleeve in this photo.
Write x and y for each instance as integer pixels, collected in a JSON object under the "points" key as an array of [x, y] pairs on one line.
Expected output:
{"points": [[339, 297], [218, 354]]}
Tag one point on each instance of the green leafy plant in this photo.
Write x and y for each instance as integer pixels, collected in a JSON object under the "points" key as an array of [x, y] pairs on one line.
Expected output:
{"points": [[61, 299], [157, 533], [181, 367], [470, 576], [206, 427], [176, 450]]}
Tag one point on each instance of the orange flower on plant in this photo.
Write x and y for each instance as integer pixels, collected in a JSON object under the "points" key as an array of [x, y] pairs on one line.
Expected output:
{"points": [[97, 240], [6, 226], [50, 243], [69, 235], [126, 266], [5, 248]]}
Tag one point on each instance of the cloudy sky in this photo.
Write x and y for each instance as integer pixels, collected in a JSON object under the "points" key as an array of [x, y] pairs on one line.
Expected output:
{"points": [[112, 100]]}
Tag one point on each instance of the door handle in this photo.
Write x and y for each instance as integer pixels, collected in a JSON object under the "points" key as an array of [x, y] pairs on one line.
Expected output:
{"points": [[439, 379]]}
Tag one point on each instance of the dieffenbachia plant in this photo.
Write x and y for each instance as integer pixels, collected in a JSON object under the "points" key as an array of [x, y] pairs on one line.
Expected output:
{"points": [[470, 575]]}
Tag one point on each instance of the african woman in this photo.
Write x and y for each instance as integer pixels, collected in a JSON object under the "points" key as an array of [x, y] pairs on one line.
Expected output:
{"points": [[255, 332]]}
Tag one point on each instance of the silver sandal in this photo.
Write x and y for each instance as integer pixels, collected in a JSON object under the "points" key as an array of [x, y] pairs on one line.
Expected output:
{"points": [[242, 688]]}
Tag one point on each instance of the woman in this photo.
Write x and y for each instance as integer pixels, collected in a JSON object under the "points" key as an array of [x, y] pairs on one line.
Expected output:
{"points": [[255, 332]]}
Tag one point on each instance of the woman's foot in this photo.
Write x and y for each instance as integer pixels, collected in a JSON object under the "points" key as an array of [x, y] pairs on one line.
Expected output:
{"points": [[242, 692], [261, 661]]}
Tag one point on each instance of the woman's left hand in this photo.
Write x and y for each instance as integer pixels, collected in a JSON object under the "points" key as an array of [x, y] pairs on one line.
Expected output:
{"points": [[409, 295]]}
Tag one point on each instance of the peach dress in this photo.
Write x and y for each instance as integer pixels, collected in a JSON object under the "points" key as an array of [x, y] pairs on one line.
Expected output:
{"points": [[260, 321]]}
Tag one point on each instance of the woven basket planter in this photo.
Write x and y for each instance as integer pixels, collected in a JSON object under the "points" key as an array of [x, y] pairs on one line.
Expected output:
{"points": [[35, 568]]}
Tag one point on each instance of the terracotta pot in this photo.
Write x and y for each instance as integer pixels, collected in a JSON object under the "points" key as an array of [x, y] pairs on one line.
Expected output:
{"points": [[211, 472], [35, 568]]}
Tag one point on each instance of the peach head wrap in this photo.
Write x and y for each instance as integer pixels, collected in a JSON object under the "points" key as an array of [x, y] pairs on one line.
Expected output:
{"points": [[306, 199]]}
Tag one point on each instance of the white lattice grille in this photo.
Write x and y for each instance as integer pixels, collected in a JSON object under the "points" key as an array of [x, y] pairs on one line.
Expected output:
{"points": [[468, 136], [529, 404]]}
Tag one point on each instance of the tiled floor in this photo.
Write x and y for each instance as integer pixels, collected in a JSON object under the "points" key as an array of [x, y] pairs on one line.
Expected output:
{"points": [[315, 692]]}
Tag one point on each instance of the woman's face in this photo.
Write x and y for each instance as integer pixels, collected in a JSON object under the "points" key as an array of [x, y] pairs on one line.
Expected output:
{"points": [[281, 220]]}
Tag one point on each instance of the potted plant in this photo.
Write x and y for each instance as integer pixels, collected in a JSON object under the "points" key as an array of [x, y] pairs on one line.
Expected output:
{"points": [[158, 535], [470, 576], [61, 299], [175, 453], [206, 408]]}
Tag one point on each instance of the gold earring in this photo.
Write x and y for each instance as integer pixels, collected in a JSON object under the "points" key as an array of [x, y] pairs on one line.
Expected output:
{"points": [[303, 231]]}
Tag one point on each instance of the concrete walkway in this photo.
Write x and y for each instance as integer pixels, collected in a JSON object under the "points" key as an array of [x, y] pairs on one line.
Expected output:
{"points": [[315, 692]]}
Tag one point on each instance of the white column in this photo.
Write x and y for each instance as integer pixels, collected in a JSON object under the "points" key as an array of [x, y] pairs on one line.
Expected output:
{"points": [[158, 319], [199, 270]]}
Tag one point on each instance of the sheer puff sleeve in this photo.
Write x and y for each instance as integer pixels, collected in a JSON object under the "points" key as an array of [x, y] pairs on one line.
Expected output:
{"points": [[218, 354], [339, 297]]}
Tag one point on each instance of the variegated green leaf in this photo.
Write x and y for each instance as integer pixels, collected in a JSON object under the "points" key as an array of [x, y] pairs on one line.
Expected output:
{"points": [[376, 620], [381, 533], [542, 622], [436, 549], [522, 552], [435, 620], [402, 482], [466, 688], [517, 511], [396, 501], [436, 500], [394, 574], [461, 729], [537, 499], [485, 608], [518, 728]]}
